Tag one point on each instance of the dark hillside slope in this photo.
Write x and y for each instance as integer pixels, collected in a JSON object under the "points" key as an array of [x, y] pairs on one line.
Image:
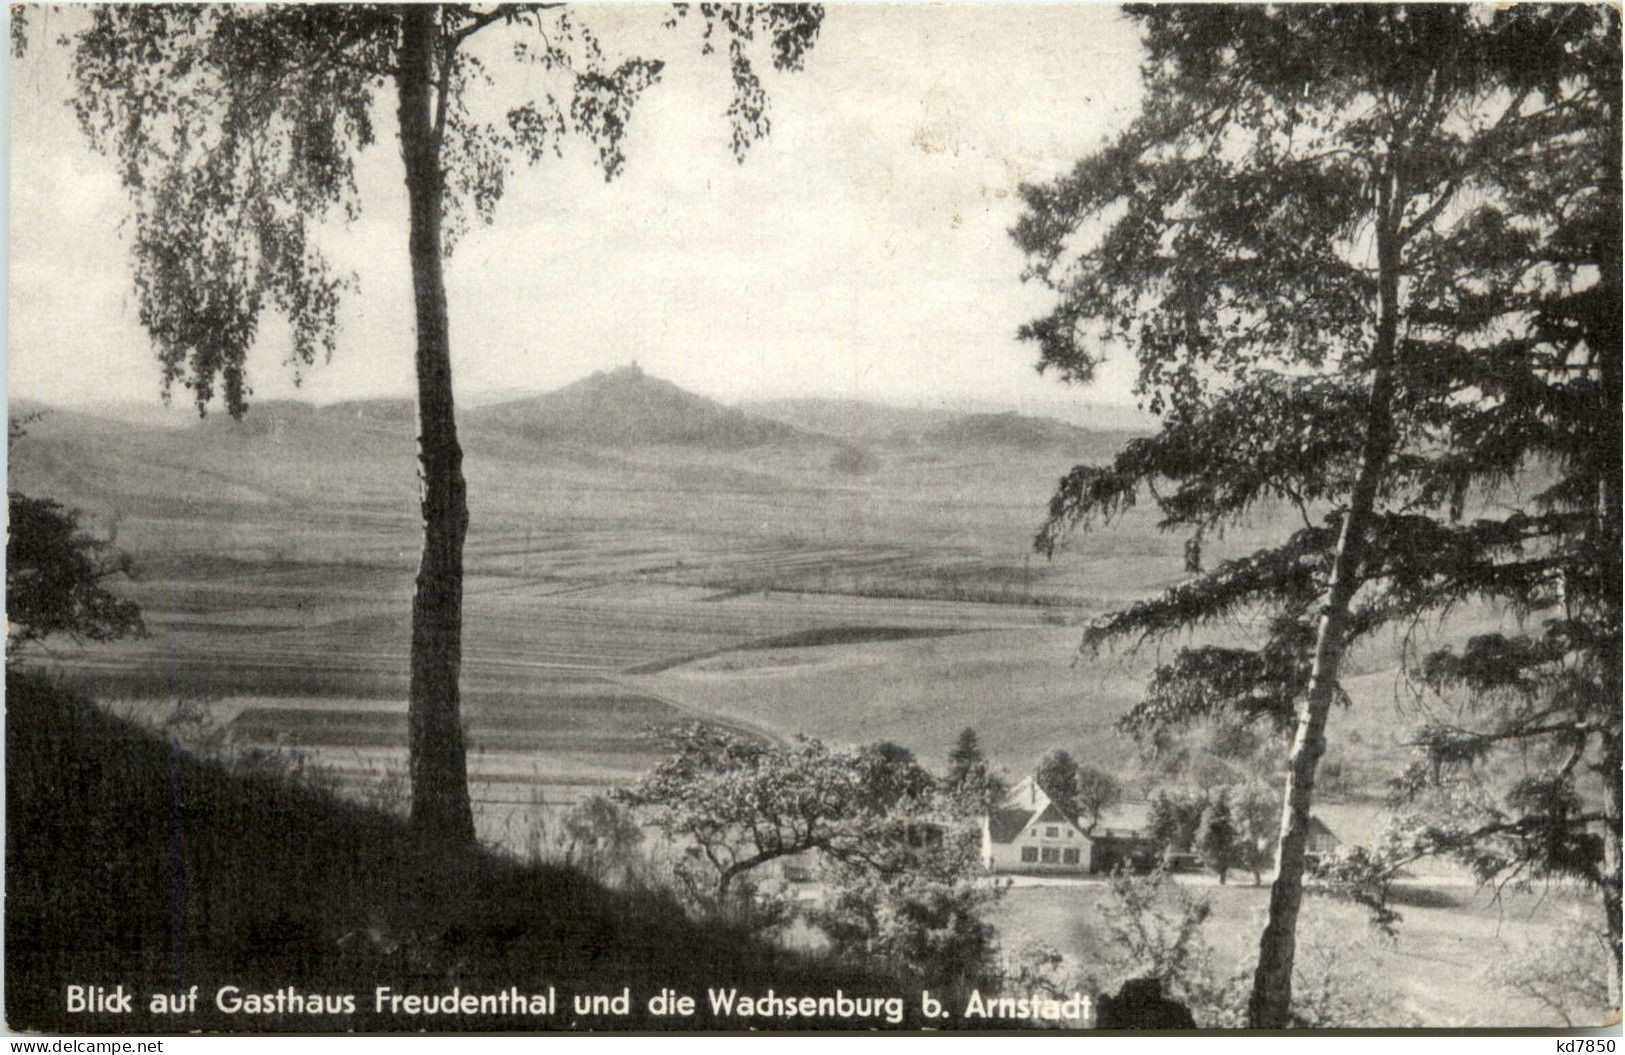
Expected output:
{"points": [[132, 863]]}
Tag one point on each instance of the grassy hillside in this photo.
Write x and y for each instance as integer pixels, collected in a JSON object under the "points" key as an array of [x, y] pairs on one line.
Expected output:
{"points": [[131, 863]]}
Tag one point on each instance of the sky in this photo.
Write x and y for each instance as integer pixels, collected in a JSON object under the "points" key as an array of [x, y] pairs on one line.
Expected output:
{"points": [[861, 250]]}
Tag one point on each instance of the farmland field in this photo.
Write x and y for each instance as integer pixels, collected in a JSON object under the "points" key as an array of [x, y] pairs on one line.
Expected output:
{"points": [[616, 591], [276, 562], [1427, 973]]}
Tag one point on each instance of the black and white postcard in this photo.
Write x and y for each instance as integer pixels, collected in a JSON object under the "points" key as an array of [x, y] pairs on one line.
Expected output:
{"points": [[870, 517]]}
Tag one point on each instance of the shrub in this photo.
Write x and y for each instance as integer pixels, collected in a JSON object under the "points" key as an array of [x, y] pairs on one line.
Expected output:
{"points": [[1567, 973], [56, 578], [600, 837], [1154, 930], [1339, 984], [932, 929]]}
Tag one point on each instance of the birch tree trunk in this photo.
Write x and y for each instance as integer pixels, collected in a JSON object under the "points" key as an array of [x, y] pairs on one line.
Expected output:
{"points": [[1270, 1006], [439, 767]]}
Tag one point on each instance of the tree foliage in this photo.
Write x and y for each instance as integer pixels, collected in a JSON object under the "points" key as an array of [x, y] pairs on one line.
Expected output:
{"points": [[1217, 836], [1057, 777], [965, 755], [929, 927], [971, 779], [1097, 793], [1257, 812], [1509, 773], [735, 805], [57, 577], [1365, 876], [236, 129], [57, 573], [1367, 262], [1172, 819]]}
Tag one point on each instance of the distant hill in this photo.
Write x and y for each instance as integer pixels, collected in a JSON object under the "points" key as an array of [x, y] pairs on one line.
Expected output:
{"points": [[628, 408], [624, 408], [1008, 429], [854, 420], [291, 452], [1011, 431], [862, 420], [878, 424], [374, 413]]}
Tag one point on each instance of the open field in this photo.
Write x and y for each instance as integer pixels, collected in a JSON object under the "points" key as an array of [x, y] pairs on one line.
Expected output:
{"points": [[613, 592], [1430, 968]]}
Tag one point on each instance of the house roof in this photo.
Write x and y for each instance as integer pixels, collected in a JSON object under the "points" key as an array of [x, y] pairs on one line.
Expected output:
{"points": [[1007, 822], [1026, 804], [1053, 814], [1129, 815]]}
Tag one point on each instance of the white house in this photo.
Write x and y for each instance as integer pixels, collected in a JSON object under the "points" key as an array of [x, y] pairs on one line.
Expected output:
{"points": [[1029, 833]]}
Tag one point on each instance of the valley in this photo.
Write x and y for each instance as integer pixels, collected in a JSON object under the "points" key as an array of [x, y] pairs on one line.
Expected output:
{"points": [[690, 563], [686, 561]]}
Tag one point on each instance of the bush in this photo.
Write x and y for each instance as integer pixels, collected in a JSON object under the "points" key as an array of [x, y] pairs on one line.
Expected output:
{"points": [[932, 929], [1153, 930], [1338, 983], [600, 837], [1567, 973], [56, 575]]}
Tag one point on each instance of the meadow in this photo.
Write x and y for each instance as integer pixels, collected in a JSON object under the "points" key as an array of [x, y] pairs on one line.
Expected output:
{"points": [[276, 564], [614, 591], [1428, 972]]}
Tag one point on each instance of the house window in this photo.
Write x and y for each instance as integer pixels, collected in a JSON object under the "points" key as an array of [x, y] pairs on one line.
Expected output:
{"points": [[1029, 854], [1051, 855], [1069, 857], [1053, 832]]}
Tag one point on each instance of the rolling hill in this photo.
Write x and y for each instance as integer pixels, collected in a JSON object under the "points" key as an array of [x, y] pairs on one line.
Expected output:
{"points": [[879, 425], [615, 411], [629, 408], [1012, 431], [857, 421]]}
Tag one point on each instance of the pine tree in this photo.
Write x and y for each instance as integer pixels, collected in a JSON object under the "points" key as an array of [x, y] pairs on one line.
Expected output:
{"points": [[1057, 777], [1366, 259], [964, 758], [1216, 836]]}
